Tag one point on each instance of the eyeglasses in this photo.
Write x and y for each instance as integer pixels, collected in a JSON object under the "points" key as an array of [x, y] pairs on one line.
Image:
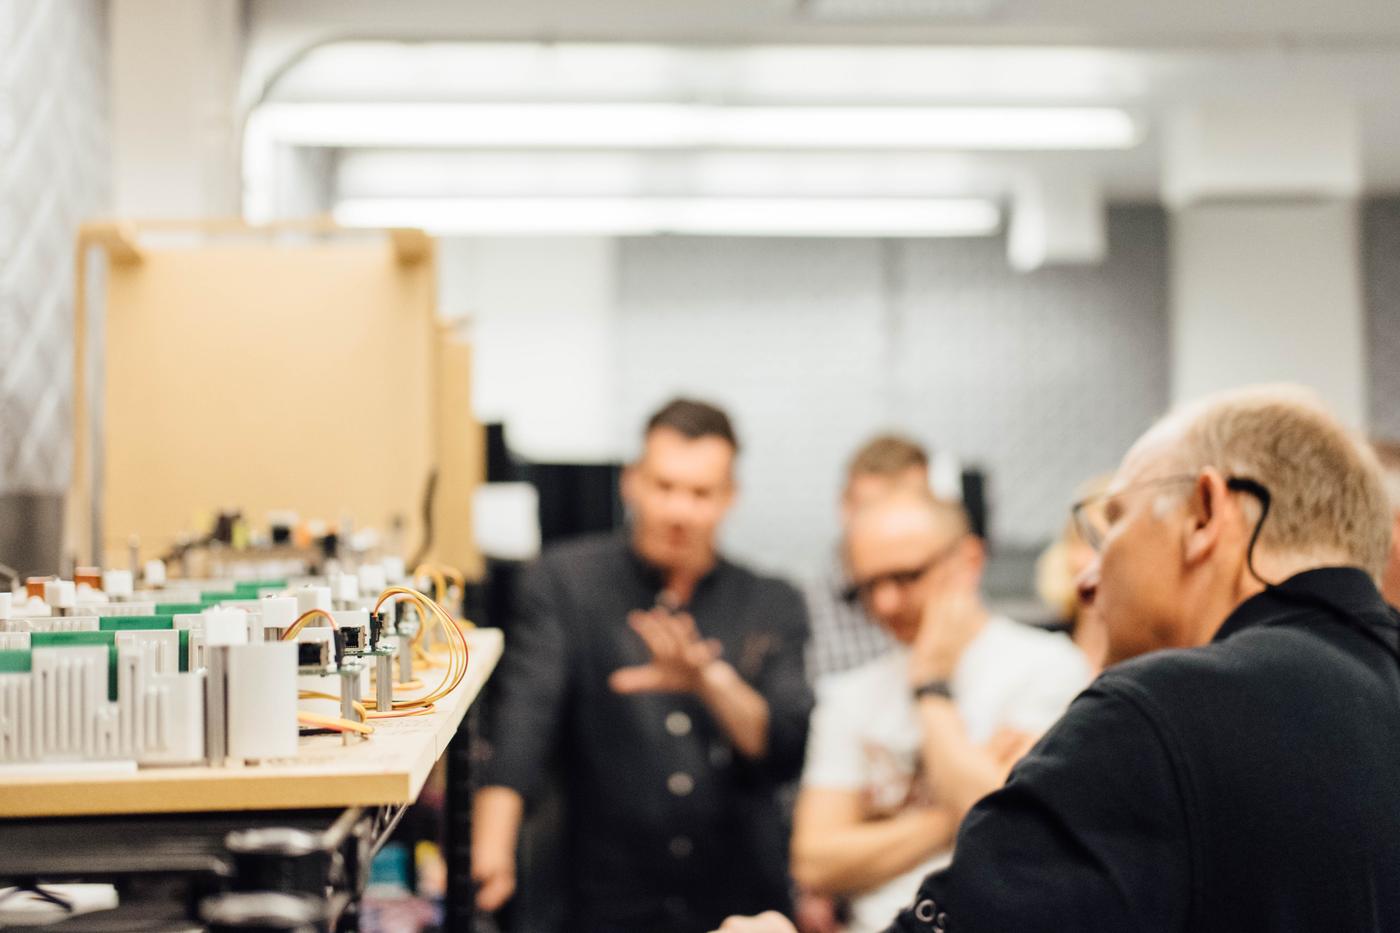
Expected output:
{"points": [[1095, 515], [902, 579]]}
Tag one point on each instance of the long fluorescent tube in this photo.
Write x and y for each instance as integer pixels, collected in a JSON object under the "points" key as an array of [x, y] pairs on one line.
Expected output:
{"points": [[699, 216], [692, 126]]}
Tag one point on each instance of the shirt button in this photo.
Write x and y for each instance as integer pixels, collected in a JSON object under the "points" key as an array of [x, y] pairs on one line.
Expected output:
{"points": [[682, 846], [678, 723], [680, 783]]}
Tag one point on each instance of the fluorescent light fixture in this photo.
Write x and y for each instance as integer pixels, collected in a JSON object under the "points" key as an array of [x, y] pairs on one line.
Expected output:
{"points": [[691, 126], [697, 216], [423, 173], [387, 70]]}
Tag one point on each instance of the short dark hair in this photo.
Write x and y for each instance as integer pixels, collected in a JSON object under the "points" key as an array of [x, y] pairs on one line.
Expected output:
{"points": [[694, 419], [886, 455]]}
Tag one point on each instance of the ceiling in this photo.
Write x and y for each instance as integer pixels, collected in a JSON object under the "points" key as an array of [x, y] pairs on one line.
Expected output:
{"points": [[1120, 23], [1149, 58]]}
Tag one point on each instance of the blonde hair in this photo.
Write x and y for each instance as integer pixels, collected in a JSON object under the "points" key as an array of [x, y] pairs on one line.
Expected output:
{"points": [[886, 455], [1327, 495], [1388, 453]]}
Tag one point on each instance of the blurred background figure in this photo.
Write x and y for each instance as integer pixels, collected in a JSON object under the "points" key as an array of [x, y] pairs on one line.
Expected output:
{"points": [[1056, 571], [902, 745], [843, 634], [1388, 452], [668, 683]]}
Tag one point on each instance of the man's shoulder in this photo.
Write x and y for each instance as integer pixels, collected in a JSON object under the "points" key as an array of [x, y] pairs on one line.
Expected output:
{"points": [[884, 673], [1219, 678], [1015, 645], [762, 587], [590, 550]]}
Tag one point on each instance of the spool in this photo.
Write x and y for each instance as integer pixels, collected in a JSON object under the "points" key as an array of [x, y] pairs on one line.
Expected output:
{"points": [[279, 859], [260, 912]]}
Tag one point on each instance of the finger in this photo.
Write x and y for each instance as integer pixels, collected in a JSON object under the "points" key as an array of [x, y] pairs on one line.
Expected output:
{"points": [[685, 623], [670, 632], [495, 892], [644, 678], [655, 639], [701, 653]]}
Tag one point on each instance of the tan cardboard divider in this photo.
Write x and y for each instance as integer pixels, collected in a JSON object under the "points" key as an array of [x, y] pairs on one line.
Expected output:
{"points": [[259, 373]]}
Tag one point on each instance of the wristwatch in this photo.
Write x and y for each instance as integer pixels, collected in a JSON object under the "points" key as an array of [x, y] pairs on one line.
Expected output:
{"points": [[934, 688]]}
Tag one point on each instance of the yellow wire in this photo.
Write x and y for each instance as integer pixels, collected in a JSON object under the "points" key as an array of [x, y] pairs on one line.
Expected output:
{"points": [[333, 722], [459, 653], [295, 628]]}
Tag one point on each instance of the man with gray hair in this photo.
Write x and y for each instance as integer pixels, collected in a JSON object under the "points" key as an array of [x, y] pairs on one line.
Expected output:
{"points": [[1242, 773], [1389, 454]]}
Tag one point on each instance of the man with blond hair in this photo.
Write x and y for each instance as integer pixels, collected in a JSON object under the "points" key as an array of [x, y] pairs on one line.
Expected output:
{"points": [[843, 633], [1242, 772], [901, 746]]}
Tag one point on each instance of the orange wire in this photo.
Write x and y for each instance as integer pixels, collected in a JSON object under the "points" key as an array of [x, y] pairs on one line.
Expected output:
{"points": [[295, 628]]}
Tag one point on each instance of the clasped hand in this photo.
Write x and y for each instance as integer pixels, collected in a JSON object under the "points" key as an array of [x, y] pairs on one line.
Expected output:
{"points": [[679, 656]]}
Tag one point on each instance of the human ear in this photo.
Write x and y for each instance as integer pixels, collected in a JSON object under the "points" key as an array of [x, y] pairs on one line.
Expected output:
{"points": [[973, 556], [1202, 521], [627, 486]]}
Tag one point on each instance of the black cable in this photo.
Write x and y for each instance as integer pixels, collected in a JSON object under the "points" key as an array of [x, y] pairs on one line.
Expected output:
{"points": [[1346, 616]]}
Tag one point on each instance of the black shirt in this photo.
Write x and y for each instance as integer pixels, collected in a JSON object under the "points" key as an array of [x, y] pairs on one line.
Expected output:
{"points": [[1251, 784], [669, 828]]}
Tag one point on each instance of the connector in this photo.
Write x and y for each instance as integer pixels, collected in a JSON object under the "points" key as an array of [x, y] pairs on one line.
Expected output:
{"points": [[313, 655]]}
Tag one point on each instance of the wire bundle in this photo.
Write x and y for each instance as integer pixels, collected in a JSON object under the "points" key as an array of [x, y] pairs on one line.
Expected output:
{"points": [[428, 610]]}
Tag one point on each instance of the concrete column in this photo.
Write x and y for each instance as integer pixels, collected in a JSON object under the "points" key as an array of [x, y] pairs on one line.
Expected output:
{"points": [[1266, 281], [174, 87]]}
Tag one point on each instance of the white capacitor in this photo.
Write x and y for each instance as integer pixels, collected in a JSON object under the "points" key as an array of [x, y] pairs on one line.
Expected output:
{"points": [[176, 733], [278, 612], [117, 584], [313, 597], [394, 569], [60, 594], [262, 700], [346, 587], [373, 579], [154, 573], [225, 627]]}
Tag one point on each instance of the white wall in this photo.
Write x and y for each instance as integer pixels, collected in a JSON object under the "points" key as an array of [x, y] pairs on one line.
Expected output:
{"points": [[1267, 292], [815, 344], [542, 313]]}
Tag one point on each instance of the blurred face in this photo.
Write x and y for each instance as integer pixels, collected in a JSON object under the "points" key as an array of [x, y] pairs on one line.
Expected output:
{"points": [[1137, 580], [678, 492], [864, 488], [899, 559], [1390, 580]]}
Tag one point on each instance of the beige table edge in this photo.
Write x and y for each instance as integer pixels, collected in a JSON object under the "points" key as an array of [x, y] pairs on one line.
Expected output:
{"points": [[389, 768]]}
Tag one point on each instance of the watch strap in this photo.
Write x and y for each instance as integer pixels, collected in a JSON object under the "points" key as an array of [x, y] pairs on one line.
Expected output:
{"points": [[934, 688]]}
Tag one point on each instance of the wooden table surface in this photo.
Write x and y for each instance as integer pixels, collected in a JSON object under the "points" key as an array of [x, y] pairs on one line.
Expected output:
{"points": [[389, 767]]}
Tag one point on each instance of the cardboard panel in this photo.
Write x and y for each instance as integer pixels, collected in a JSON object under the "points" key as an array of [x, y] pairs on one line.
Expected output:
{"points": [[262, 375]]}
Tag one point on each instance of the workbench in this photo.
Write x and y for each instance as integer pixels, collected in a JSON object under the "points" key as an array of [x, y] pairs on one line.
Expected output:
{"points": [[96, 823]]}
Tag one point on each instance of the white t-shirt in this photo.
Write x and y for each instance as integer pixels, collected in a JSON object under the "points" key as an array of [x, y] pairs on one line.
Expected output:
{"points": [[865, 733]]}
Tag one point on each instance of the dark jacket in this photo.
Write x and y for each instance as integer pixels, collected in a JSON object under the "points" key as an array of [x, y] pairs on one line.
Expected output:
{"points": [[1252, 784], [669, 828]]}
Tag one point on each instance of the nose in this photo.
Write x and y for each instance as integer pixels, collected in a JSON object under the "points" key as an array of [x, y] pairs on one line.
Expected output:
{"points": [[1087, 583], [884, 599]]}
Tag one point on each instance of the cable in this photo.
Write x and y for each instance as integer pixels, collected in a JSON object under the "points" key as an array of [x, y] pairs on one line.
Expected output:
{"points": [[459, 652], [295, 628], [333, 723]]}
